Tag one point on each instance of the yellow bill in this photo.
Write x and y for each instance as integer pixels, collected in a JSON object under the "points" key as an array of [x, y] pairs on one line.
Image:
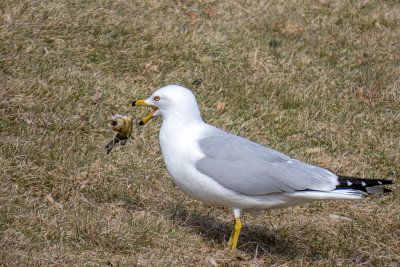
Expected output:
{"points": [[142, 103]]}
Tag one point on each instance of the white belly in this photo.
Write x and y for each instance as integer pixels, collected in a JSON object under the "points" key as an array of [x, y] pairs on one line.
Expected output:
{"points": [[180, 153]]}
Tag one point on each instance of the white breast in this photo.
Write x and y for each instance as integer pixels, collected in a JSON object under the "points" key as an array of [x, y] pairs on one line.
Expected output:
{"points": [[181, 152]]}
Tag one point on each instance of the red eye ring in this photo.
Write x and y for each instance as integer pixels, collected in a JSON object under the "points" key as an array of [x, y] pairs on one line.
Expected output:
{"points": [[156, 98]]}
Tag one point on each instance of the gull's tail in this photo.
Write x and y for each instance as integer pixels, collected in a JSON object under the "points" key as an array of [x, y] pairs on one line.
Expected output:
{"points": [[350, 188], [366, 185]]}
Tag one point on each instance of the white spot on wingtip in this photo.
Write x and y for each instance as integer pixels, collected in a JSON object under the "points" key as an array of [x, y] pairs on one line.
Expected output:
{"points": [[363, 184], [349, 183], [379, 182]]}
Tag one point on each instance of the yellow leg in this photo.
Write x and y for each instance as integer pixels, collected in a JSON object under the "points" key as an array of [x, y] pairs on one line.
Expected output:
{"points": [[230, 242], [233, 239]]}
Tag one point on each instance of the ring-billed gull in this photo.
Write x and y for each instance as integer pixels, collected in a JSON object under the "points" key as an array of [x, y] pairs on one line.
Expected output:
{"points": [[219, 168]]}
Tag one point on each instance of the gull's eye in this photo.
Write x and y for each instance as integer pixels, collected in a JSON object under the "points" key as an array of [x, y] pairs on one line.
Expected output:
{"points": [[156, 98]]}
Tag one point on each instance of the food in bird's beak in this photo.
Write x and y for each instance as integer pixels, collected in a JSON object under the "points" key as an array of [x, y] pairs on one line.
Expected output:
{"points": [[122, 125]]}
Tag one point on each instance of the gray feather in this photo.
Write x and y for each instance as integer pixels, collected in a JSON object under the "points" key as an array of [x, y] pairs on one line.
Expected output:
{"points": [[249, 168]]}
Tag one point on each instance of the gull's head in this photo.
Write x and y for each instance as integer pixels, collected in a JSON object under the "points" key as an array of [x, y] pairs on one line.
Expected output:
{"points": [[172, 101]]}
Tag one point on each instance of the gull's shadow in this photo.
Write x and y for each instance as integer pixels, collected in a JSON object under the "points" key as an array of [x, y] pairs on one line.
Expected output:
{"points": [[254, 239]]}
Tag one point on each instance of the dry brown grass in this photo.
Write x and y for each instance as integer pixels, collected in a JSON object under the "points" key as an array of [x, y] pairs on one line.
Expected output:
{"points": [[317, 80]]}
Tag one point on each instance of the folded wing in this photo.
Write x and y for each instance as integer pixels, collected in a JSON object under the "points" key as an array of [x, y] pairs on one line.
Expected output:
{"points": [[251, 169]]}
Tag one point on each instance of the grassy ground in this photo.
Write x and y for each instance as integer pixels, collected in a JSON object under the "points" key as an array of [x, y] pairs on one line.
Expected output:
{"points": [[317, 80]]}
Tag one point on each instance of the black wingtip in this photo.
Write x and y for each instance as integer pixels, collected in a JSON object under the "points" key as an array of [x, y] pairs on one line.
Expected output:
{"points": [[362, 184], [141, 123], [133, 103]]}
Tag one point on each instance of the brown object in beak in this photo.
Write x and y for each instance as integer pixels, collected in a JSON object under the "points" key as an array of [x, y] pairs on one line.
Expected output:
{"points": [[123, 126]]}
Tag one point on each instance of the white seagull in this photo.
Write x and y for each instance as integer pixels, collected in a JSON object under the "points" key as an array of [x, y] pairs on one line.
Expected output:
{"points": [[222, 169]]}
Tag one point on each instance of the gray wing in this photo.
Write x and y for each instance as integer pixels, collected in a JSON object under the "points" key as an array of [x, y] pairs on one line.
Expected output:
{"points": [[249, 168]]}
